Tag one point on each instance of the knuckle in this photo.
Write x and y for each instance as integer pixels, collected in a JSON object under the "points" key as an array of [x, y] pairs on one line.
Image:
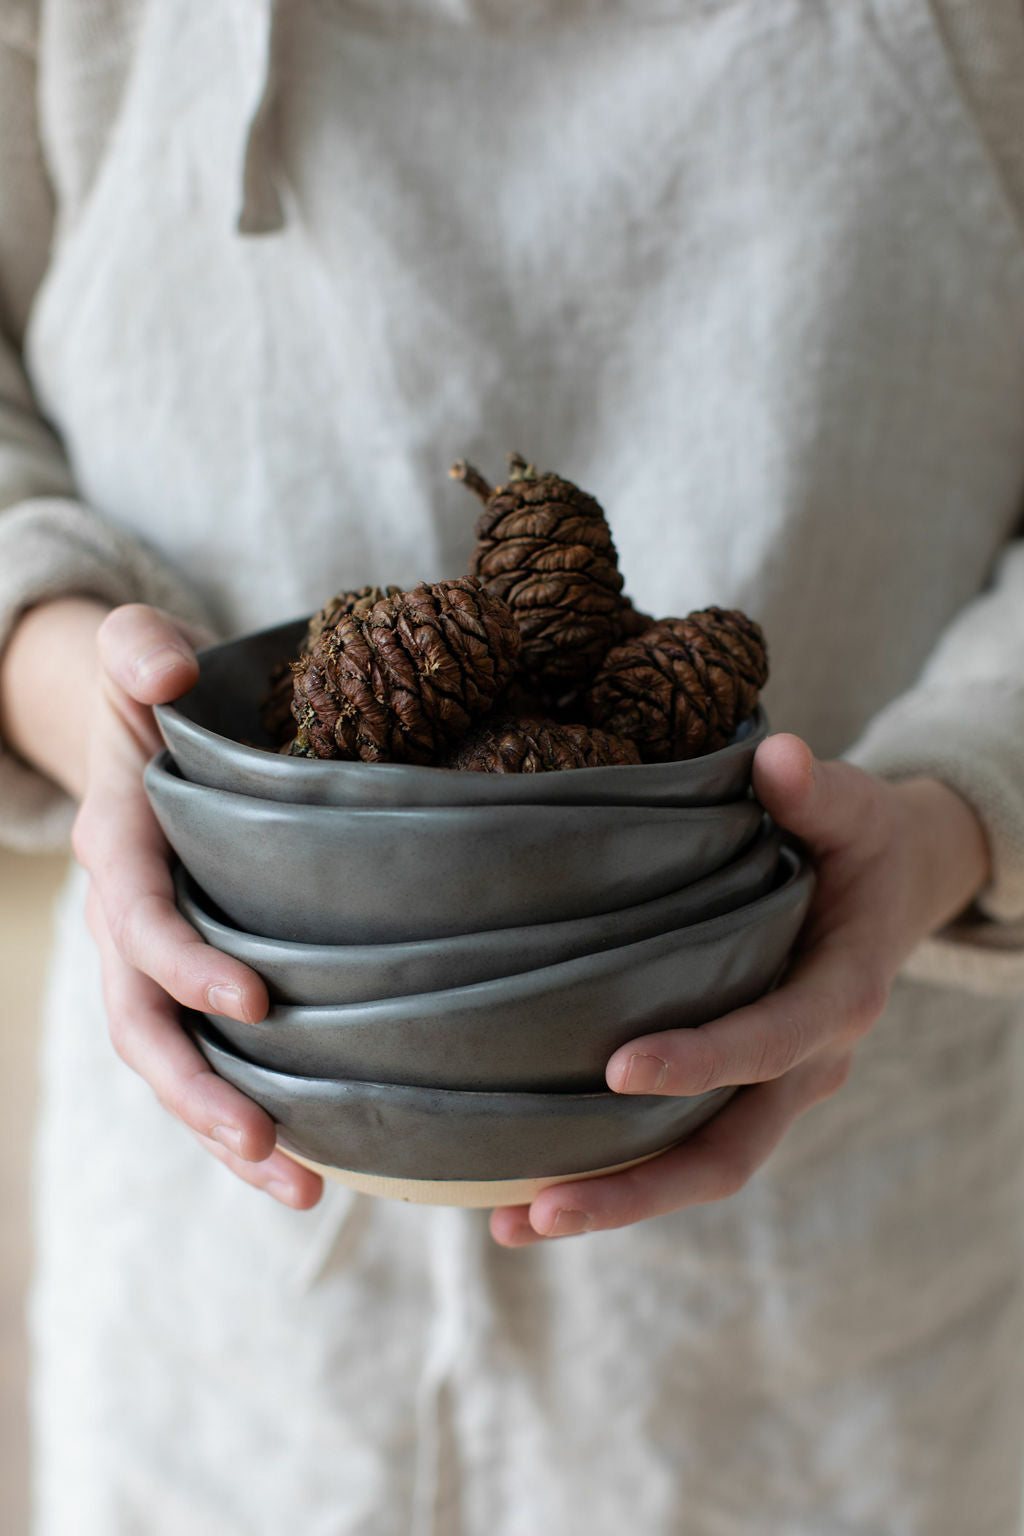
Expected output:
{"points": [[834, 1074], [631, 1205], [83, 835], [119, 1028], [129, 922], [181, 1098], [730, 1173], [122, 620], [94, 919], [703, 1067], [183, 977], [122, 927], [779, 1048], [866, 1005]]}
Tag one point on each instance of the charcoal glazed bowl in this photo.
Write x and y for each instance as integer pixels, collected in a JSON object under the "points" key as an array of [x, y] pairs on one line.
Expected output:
{"points": [[327, 875], [445, 1147], [546, 1030], [313, 974], [216, 738]]}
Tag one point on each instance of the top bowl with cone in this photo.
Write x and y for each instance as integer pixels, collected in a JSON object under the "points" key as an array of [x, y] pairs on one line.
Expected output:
{"points": [[216, 737], [485, 689]]}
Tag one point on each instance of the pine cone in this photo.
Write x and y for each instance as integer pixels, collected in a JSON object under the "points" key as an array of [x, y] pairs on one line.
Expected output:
{"points": [[358, 602], [520, 744], [633, 621], [544, 546], [681, 688], [276, 707], [405, 680]]}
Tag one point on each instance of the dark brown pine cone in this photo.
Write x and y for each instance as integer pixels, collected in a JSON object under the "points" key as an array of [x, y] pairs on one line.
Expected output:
{"points": [[681, 688], [520, 744], [358, 602], [544, 546], [405, 680], [633, 621], [276, 707]]}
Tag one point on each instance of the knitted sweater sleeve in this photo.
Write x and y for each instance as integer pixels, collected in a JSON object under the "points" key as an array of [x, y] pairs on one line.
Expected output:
{"points": [[51, 543], [963, 723]]}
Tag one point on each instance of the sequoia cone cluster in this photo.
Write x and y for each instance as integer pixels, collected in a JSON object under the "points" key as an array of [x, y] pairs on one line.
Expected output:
{"points": [[535, 661]]}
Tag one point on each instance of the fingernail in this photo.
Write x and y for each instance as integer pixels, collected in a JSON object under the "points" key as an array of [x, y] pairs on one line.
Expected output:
{"points": [[160, 659], [280, 1190], [570, 1224], [644, 1073], [229, 1136], [226, 1000]]}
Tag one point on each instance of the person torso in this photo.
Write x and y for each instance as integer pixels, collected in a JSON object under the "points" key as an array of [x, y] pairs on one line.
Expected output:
{"points": [[742, 268]]}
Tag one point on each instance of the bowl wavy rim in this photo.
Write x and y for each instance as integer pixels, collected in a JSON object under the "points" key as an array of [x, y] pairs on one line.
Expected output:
{"points": [[163, 769], [295, 951], [306, 771], [796, 886], [524, 1103]]}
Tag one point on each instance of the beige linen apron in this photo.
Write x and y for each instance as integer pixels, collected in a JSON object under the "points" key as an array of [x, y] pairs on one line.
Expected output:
{"points": [[746, 269]]}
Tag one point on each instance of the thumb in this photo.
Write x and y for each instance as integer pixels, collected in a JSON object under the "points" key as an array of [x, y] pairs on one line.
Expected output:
{"points": [[825, 804], [147, 653]]}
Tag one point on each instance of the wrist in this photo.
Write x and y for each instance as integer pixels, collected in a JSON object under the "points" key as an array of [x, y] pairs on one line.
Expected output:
{"points": [[49, 675], [952, 854]]}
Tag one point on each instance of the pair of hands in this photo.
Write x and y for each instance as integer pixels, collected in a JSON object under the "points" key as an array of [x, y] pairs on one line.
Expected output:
{"points": [[895, 862]]}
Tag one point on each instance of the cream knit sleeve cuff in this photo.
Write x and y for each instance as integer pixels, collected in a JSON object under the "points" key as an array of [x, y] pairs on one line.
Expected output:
{"points": [[971, 737], [54, 547], [963, 723]]}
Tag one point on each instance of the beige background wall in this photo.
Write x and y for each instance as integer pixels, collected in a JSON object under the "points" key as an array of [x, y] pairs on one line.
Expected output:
{"points": [[27, 889]]}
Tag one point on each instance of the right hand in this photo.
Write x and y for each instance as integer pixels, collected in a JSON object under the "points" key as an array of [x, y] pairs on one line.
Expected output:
{"points": [[152, 959]]}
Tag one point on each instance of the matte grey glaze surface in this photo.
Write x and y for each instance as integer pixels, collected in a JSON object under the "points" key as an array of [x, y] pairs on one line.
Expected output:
{"points": [[315, 974], [545, 1030], [324, 875], [435, 1133], [207, 731]]}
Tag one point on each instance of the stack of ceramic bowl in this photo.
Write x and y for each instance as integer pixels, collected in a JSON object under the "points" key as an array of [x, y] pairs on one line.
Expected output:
{"points": [[452, 957]]}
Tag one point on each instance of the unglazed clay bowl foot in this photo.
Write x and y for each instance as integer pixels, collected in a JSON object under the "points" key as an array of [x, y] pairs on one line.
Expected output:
{"points": [[468, 1193], [216, 737], [546, 1030], [325, 875], [312, 974], [437, 1136]]}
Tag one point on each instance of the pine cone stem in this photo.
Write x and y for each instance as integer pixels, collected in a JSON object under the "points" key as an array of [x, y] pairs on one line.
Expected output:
{"points": [[472, 478], [519, 469]]}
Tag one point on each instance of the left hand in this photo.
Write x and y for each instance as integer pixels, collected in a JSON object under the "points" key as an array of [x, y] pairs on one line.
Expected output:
{"points": [[895, 863]]}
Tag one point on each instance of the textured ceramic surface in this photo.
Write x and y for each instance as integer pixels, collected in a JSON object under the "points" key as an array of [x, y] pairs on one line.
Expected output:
{"points": [[435, 1133], [312, 974], [324, 875], [551, 1029], [216, 738]]}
